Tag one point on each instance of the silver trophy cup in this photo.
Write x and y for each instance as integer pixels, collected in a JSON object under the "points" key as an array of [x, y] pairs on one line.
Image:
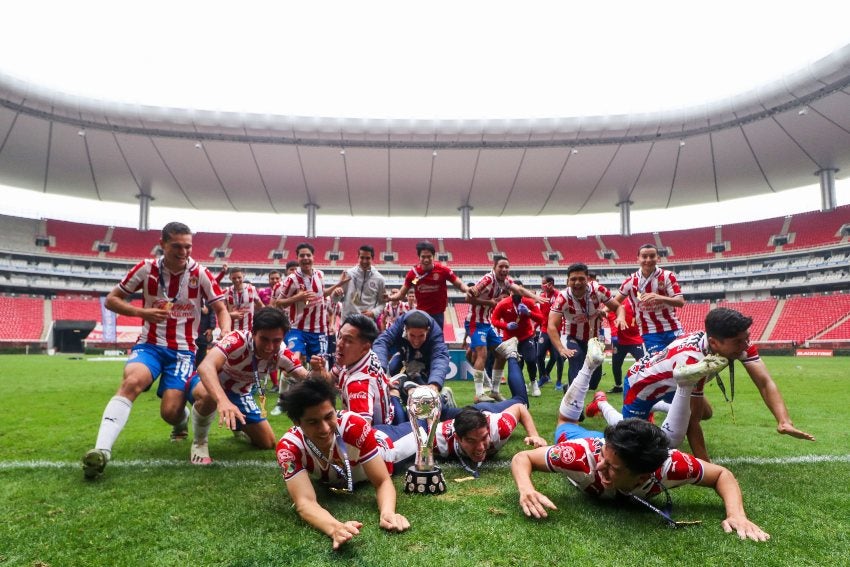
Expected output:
{"points": [[423, 477]]}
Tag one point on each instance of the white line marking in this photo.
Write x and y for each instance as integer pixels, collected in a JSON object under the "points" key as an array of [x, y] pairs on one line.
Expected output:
{"points": [[271, 463]]}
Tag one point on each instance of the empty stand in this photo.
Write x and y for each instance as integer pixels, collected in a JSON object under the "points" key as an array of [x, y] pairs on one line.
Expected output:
{"points": [[574, 249], [204, 244], [473, 252], [23, 318], [523, 251], [691, 244], [839, 333], [751, 237], [803, 317], [74, 237], [761, 311], [406, 250], [818, 228], [76, 309], [132, 243], [256, 249], [626, 247], [692, 315]]}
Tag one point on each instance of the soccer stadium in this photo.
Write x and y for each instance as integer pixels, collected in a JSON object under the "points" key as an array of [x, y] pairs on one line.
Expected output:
{"points": [[65, 345]]}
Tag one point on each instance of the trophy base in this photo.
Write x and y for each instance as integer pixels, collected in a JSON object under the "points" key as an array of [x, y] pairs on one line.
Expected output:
{"points": [[424, 482]]}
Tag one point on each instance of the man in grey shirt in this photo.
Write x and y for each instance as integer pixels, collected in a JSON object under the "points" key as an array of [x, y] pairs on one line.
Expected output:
{"points": [[364, 287]]}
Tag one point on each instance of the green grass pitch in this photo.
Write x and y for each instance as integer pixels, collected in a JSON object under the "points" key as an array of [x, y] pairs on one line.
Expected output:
{"points": [[153, 508]]}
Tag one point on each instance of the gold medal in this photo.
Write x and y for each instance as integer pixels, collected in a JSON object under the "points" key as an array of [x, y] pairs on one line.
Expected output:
{"points": [[168, 305], [263, 412]]}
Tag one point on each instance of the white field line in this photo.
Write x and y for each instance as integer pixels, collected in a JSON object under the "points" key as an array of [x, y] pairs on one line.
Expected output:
{"points": [[271, 463]]}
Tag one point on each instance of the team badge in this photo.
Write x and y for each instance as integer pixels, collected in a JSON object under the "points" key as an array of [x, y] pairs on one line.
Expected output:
{"points": [[568, 455], [193, 281], [286, 459]]}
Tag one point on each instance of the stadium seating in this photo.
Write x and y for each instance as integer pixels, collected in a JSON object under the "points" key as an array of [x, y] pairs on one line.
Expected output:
{"points": [[803, 317], [692, 315], [472, 252], [691, 244], [818, 228], [74, 237], [574, 249], [751, 237], [135, 244], [255, 248], [761, 311], [23, 318], [523, 251], [839, 333], [76, 309]]}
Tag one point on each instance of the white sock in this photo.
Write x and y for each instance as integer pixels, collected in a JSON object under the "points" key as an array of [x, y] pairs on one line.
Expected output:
{"points": [[114, 419], [478, 379], [497, 375], [201, 425], [573, 401], [676, 423], [662, 406], [610, 413]]}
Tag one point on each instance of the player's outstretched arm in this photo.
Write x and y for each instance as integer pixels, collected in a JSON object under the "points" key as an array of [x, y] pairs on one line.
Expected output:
{"points": [[726, 485], [228, 414], [385, 494], [523, 416], [303, 494], [533, 503], [769, 391]]}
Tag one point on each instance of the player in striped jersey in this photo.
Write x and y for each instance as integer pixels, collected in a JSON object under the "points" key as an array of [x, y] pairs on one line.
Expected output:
{"points": [[242, 299], [340, 449], [652, 382], [656, 294], [393, 310], [303, 293], [227, 378], [483, 297], [632, 461], [174, 288], [579, 306]]}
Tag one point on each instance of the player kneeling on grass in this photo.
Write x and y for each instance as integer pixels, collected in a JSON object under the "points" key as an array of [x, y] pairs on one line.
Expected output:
{"points": [[228, 375], [633, 461], [337, 448]]}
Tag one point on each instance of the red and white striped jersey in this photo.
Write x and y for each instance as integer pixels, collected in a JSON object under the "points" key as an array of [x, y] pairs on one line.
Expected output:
{"points": [[651, 377], [365, 389], [578, 460], [311, 317], [501, 425], [393, 312], [660, 318], [579, 313], [294, 454], [237, 374], [242, 301], [488, 288], [181, 294], [334, 310]]}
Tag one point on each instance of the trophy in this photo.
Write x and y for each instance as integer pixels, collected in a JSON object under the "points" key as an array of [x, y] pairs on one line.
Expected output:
{"points": [[423, 477]]}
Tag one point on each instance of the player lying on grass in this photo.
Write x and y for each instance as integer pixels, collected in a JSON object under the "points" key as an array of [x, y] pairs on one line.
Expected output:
{"points": [[339, 449], [632, 461]]}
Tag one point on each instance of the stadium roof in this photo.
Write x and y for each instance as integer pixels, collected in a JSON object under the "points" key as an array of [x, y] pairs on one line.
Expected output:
{"points": [[769, 139]]}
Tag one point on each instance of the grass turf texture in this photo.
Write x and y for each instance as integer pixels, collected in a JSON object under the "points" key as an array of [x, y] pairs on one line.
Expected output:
{"points": [[153, 508]]}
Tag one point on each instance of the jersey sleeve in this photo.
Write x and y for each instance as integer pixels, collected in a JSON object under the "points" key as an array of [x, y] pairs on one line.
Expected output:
{"points": [[289, 457], [359, 434], [568, 457], [135, 278], [211, 290], [288, 362], [672, 285], [680, 468], [505, 425], [231, 343]]}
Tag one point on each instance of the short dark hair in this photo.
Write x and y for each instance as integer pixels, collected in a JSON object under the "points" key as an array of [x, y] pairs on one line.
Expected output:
{"points": [[173, 229], [641, 445], [498, 258], [576, 267], [306, 245], [269, 318], [647, 245], [306, 394], [292, 264], [518, 282], [274, 272], [417, 319], [469, 419], [549, 279], [235, 270], [725, 323], [367, 248], [425, 245], [365, 325]]}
